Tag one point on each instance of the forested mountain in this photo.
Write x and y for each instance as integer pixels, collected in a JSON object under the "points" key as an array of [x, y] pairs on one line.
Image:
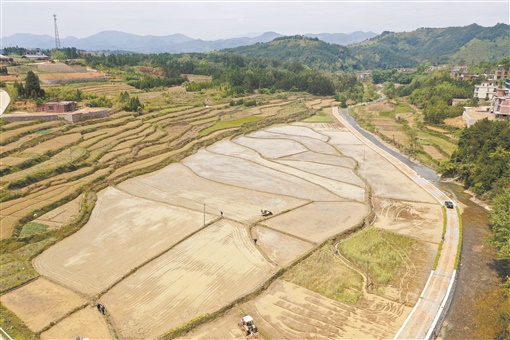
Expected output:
{"points": [[309, 51], [471, 43], [233, 74], [342, 38]]}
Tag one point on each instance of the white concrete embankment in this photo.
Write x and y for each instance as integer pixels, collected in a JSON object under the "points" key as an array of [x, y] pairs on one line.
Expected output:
{"points": [[4, 101]]}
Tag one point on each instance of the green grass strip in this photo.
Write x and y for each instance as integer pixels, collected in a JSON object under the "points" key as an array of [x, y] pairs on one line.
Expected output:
{"points": [[320, 117], [228, 124], [459, 244]]}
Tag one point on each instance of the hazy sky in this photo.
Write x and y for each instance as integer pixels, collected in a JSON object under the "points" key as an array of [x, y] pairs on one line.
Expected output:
{"points": [[211, 20]]}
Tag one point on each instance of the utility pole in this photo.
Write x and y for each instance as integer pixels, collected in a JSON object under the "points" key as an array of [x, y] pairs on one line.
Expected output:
{"points": [[204, 214], [57, 38]]}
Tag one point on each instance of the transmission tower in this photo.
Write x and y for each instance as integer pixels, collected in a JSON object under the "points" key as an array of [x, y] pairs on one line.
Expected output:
{"points": [[57, 38]]}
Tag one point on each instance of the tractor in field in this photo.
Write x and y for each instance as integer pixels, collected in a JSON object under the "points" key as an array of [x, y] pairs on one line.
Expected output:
{"points": [[265, 212], [249, 329]]}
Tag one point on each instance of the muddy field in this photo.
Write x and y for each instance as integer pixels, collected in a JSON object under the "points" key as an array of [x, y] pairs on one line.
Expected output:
{"points": [[41, 302], [199, 276], [165, 248]]}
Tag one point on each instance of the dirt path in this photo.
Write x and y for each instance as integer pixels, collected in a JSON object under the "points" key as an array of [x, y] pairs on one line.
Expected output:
{"points": [[423, 316]]}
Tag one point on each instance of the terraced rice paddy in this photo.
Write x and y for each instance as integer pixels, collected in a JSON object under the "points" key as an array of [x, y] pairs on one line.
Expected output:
{"points": [[163, 248]]}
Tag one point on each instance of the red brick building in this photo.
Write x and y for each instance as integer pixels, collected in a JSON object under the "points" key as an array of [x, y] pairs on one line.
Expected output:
{"points": [[57, 106]]}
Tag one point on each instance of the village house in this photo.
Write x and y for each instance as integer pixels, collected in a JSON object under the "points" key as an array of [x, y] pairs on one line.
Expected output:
{"points": [[499, 109], [501, 104], [57, 106], [35, 54], [499, 74], [457, 71], [471, 115], [485, 91], [5, 59]]}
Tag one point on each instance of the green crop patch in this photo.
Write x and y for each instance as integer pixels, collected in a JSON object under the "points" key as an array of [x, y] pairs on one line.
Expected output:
{"points": [[382, 249], [337, 281], [228, 124], [33, 228]]}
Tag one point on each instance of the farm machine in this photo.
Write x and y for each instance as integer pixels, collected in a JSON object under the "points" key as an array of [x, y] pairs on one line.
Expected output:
{"points": [[249, 329]]}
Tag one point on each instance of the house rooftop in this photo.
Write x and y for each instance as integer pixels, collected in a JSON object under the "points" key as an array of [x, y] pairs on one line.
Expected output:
{"points": [[60, 102]]}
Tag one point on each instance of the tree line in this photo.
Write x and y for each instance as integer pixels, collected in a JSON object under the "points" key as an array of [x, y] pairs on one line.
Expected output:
{"points": [[237, 74]]}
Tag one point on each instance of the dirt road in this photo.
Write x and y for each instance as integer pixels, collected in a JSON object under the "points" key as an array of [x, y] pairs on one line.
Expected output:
{"points": [[423, 318]]}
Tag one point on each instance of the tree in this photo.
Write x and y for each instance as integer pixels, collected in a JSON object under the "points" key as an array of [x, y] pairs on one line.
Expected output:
{"points": [[500, 224], [32, 87], [59, 55]]}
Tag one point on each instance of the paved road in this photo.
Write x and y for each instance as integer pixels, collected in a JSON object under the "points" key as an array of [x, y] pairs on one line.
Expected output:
{"points": [[423, 316], [4, 101]]}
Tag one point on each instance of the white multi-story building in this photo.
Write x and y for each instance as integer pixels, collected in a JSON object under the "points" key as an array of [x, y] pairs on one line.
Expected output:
{"points": [[486, 91]]}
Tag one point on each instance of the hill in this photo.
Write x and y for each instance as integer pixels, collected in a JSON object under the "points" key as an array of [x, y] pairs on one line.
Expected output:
{"points": [[466, 44], [309, 51], [342, 38], [174, 43]]}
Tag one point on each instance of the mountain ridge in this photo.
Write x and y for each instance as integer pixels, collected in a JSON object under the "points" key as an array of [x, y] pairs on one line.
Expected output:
{"points": [[173, 43]]}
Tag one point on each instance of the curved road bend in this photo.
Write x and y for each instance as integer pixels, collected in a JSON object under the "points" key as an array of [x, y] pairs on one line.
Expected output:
{"points": [[4, 101], [423, 316]]}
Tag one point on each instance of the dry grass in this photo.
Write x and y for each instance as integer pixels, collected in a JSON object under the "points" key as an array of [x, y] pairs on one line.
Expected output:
{"points": [[54, 144], [66, 156], [198, 78], [456, 122], [324, 273], [108, 89], [14, 271], [18, 133], [72, 77], [156, 135], [58, 179]]}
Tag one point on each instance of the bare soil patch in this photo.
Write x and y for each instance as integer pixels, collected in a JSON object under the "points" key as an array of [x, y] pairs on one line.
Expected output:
{"points": [[55, 78], [319, 220], [41, 302], [86, 323], [457, 122], [288, 311], [395, 135], [62, 215], [423, 221], [433, 152], [380, 106], [280, 248], [225, 327], [55, 68]]}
